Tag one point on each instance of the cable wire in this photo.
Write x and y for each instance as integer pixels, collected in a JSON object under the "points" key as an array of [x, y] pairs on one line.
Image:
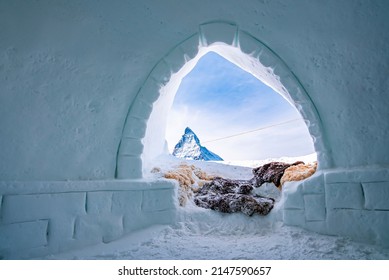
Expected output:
{"points": [[250, 131]]}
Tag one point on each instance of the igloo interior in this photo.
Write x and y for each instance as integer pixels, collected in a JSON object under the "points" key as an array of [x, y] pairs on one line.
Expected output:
{"points": [[80, 104]]}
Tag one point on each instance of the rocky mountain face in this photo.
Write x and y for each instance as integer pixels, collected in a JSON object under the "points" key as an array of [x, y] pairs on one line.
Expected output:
{"points": [[189, 147]]}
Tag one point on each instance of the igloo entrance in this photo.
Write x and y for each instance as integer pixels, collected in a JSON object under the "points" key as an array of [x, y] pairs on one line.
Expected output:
{"points": [[235, 115], [143, 134], [245, 124]]}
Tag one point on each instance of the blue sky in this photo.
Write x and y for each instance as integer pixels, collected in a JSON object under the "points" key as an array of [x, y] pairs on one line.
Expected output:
{"points": [[218, 99]]}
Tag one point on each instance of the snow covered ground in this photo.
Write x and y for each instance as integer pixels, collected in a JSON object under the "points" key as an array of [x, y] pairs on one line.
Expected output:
{"points": [[206, 234]]}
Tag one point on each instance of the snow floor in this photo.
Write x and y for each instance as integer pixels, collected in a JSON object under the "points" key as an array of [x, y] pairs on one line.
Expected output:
{"points": [[205, 234]]}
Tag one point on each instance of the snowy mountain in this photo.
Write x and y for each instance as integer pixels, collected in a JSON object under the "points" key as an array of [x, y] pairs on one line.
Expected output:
{"points": [[189, 147]]}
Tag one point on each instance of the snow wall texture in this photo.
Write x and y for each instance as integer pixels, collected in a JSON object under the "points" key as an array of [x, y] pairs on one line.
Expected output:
{"points": [[78, 86]]}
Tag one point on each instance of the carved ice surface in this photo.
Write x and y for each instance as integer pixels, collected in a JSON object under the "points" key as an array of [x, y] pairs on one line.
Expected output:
{"points": [[70, 72]]}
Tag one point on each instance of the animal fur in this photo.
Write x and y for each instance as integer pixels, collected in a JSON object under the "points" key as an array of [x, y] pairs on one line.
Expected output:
{"points": [[190, 178], [298, 172]]}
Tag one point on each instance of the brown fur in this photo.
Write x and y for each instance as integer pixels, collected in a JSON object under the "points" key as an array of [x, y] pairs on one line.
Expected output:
{"points": [[298, 172], [190, 178]]}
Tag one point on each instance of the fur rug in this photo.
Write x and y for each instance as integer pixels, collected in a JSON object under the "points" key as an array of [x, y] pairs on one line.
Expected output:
{"points": [[298, 172], [229, 196], [190, 179]]}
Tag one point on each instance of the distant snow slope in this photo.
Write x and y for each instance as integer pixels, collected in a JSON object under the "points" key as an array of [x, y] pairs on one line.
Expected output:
{"points": [[241, 169], [189, 147], [256, 163]]}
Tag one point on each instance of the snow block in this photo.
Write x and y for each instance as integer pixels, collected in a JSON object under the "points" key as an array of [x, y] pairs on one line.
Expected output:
{"points": [[250, 45], [317, 226], [289, 82], [99, 202], [324, 157], [158, 200], [268, 59], [134, 128], [358, 175], [352, 223], [126, 202], [131, 147], [292, 196], [98, 228], [281, 71], [376, 195], [61, 234], [150, 91], [314, 184], [299, 96], [175, 59], [294, 217], [214, 32], [129, 167], [190, 46], [86, 232], [314, 127], [21, 208], [25, 253], [344, 195], [141, 109], [379, 222], [23, 235], [133, 222], [163, 217], [161, 73], [314, 207]]}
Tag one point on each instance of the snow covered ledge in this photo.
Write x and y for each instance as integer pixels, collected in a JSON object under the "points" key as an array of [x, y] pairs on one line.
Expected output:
{"points": [[352, 203], [41, 218]]}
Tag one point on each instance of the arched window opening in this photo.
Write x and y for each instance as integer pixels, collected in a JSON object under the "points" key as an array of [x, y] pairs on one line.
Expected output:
{"points": [[226, 101], [236, 116], [143, 137], [248, 115]]}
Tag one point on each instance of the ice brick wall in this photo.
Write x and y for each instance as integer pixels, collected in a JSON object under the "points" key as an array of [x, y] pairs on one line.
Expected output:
{"points": [[352, 203], [46, 218], [78, 81], [70, 73]]}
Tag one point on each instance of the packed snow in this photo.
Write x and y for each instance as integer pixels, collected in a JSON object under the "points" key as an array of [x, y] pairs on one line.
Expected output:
{"points": [[205, 234]]}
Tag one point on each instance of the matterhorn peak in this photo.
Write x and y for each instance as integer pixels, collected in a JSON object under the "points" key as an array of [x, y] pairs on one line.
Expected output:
{"points": [[188, 131], [189, 147]]}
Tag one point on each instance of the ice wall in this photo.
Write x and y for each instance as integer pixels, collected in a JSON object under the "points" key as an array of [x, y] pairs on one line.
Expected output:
{"points": [[70, 71], [75, 97], [42, 218], [352, 203]]}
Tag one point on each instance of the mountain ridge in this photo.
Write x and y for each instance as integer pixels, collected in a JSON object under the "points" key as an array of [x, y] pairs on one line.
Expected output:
{"points": [[189, 147]]}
